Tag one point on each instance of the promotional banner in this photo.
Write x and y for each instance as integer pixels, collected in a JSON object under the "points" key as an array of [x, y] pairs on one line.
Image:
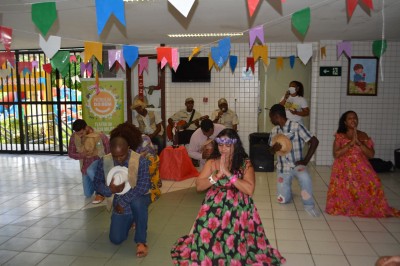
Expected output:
{"points": [[104, 110]]}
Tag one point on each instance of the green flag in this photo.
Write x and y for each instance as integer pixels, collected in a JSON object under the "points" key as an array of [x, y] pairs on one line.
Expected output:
{"points": [[301, 20], [379, 47], [44, 15], [61, 61]]}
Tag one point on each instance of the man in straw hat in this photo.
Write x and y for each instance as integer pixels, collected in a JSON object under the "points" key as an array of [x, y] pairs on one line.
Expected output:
{"points": [[225, 116], [149, 123], [191, 119], [290, 161], [87, 146]]}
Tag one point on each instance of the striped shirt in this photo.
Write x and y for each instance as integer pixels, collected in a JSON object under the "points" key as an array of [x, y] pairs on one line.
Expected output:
{"points": [[298, 135]]}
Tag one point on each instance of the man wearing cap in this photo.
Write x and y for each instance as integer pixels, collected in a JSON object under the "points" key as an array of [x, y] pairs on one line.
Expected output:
{"points": [[225, 116], [189, 118], [149, 123], [87, 146], [291, 163]]}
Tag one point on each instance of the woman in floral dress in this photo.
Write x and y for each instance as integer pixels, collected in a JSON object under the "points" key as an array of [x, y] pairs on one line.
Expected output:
{"points": [[228, 228], [355, 188]]}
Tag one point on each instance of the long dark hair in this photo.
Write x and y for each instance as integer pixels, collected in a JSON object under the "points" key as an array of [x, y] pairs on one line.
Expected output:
{"points": [[129, 132], [342, 126], [239, 155], [300, 87]]}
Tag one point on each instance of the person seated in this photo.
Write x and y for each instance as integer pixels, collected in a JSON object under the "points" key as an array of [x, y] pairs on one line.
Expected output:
{"points": [[187, 120], [131, 206], [149, 123], [208, 130], [225, 116]]}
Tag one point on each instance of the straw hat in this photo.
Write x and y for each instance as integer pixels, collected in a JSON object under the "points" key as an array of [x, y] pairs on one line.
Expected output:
{"points": [[222, 100], [138, 102], [90, 144], [285, 143], [120, 175]]}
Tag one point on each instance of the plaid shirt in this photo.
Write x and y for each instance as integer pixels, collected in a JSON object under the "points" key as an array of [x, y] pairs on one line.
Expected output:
{"points": [[298, 135], [142, 187]]}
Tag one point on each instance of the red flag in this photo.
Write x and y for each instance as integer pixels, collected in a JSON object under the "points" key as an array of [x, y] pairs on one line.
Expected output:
{"points": [[252, 5], [250, 64], [47, 68], [369, 4], [351, 6]]}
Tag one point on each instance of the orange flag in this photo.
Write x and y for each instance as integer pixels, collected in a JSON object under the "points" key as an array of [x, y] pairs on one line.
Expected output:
{"points": [[261, 51], [279, 63], [93, 49]]}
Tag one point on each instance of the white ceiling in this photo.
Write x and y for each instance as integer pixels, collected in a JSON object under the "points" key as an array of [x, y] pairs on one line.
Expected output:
{"points": [[150, 22]]}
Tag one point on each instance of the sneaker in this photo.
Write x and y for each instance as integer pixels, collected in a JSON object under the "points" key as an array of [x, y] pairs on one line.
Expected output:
{"points": [[98, 199], [313, 212]]}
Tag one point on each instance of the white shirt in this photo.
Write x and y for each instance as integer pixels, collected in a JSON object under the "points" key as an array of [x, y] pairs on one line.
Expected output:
{"points": [[297, 103]]}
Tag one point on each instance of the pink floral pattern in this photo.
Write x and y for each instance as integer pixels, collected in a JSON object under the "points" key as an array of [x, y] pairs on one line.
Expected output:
{"points": [[355, 188], [227, 231]]}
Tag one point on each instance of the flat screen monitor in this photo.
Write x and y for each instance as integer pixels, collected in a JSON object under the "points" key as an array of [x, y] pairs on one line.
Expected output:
{"points": [[195, 70]]}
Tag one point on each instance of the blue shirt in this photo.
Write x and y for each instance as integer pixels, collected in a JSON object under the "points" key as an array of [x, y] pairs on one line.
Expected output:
{"points": [[298, 135], [142, 187]]}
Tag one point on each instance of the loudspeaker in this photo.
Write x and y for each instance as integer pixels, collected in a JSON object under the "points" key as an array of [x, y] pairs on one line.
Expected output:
{"points": [[261, 158]]}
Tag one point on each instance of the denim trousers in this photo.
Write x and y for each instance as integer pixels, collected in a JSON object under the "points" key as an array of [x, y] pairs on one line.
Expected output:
{"points": [[284, 184], [88, 179], [121, 223]]}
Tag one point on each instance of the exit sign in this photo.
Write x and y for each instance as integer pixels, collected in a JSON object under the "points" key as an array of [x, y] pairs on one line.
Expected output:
{"points": [[330, 71]]}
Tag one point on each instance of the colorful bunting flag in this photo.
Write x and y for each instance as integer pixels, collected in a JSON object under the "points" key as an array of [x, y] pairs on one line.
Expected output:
{"points": [[195, 51], [304, 52], [379, 47], [221, 52], [72, 58], [22, 66], [175, 58], [323, 52], [93, 49], [301, 20], [292, 60], [75, 79], [7, 56], [51, 46], [233, 62], [183, 6], [4, 73], [130, 53], [256, 32], [86, 67], [250, 64], [44, 15], [211, 62], [260, 51], [252, 6], [6, 37], [60, 61], [352, 4], [115, 55], [105, 8], [164, 56], [344, 47], [34, 64], [279, 63], [143, 64], [47, 68]]}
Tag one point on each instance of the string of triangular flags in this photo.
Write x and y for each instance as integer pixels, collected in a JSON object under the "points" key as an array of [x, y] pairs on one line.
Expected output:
{"points": [[45, 14]]}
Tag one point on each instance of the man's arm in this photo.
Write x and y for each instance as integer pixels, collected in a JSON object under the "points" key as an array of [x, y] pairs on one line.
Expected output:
{"points": [[193, 148], [313, 144]]}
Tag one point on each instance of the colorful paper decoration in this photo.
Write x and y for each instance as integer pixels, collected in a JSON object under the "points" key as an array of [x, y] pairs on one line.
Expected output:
{"points": [[4, 73], [211, 62], [256, 32], [301, 20], [34, 64], [23, 66], [233, 62], [86, 67], [175, 58], [323, 52], [105, 8], [7, 56], [279, 63], [304, 52], [344, 47], [115, 55], [352, 4], [93, 49], [75, 79], [250, 64], [51, 46], [164, 56], [60, 61], [195, 51], [292, 60], [72, 58], [143, 64], [47, 68], [44, 15], [252, 6], [131, 54], [379, 47], [6, 37], [260, 51], [221, 52], [183, 6]]}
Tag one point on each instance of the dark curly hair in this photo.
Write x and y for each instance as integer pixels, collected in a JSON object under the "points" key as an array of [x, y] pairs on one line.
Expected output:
{"points": [[239, 155], [129, 132], [342, 126], [299, 86]]}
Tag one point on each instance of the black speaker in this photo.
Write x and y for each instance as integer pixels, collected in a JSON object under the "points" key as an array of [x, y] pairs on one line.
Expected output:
{"points": [[261, 158]]}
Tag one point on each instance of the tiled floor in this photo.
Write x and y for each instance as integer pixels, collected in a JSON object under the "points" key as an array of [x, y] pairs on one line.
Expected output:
{"points": [[45, 220]]}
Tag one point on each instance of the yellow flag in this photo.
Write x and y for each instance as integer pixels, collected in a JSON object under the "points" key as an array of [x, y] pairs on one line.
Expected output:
{"points": [[261, 51], [279, 63], [195, 51], [323, 52], [210, 62], [93, 49]]}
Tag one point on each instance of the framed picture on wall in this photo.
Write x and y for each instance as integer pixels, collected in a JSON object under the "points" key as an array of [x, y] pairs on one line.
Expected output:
{"points": [[363, 76]]}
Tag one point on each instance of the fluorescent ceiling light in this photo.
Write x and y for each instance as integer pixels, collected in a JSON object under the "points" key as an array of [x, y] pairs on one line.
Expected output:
{"points": [[205, 35]]}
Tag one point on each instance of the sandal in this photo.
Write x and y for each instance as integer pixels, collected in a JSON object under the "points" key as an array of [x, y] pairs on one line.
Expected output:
{"points": [[141, 250]]}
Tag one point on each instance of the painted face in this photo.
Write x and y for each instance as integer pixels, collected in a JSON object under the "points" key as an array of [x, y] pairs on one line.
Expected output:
{"points": [[189, 106], [351, 120], [119, 149]]}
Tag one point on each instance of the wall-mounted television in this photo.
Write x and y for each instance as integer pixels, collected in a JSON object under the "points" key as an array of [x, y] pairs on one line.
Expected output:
{"points": [[195, 70]]}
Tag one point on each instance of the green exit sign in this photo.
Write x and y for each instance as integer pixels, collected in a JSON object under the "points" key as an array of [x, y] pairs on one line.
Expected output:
{"points": [[330, 71]]}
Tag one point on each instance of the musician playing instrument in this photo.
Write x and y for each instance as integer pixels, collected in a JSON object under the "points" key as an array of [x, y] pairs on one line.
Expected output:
{"points": [[186, 121]]}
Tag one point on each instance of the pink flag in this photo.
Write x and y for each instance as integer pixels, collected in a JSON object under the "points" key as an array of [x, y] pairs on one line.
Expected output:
{"points": [[143, 64], [116, 55], [6, 37]]}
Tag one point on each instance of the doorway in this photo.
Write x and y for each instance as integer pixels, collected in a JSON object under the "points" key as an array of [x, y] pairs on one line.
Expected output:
{"points": [[273, 85]]}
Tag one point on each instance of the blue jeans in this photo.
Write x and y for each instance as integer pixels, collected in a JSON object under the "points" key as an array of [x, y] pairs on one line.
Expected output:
{"points": [[284, 184], [121, 223], [88, 178]]}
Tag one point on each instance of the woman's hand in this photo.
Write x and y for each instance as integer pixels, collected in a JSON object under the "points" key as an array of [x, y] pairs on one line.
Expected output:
{"points": [[223, 170]]}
